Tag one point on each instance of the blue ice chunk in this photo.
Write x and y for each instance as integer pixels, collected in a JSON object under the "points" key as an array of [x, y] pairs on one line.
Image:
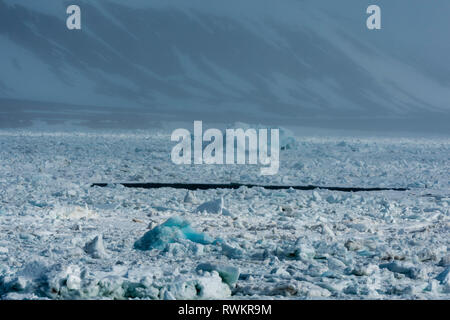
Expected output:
{"points": [[231, 251], [330, 274], [444, 276], [37, 204], [407, 269], [219, 240], [365, 253], [173, 230]]}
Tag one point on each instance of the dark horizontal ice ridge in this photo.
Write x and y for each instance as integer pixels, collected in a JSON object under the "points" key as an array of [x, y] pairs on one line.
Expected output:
{"points": [[206, 186]]}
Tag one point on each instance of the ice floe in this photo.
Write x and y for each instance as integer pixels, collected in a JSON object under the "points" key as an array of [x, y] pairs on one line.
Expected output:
{"points": [[214, 206], [95, 248], [285, 243], [229, 274]]}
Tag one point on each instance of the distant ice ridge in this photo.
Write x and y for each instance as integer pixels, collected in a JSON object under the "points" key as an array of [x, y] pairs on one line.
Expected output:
{"points": [[287, 137]]}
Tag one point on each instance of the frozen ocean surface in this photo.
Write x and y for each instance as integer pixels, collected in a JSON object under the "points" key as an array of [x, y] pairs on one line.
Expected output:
{"points": [[61, 238]]}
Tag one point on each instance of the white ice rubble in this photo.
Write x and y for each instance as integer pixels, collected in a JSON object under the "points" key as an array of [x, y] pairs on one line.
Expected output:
{"points": [[62, 239], [95, 248], [214, 206]]}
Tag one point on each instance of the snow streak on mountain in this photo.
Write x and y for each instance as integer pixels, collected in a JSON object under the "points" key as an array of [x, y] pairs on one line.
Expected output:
{"points": [[286, 62]]}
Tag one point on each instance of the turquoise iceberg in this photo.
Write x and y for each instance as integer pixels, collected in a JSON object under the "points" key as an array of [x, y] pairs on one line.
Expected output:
{"points": [[173, 230]]}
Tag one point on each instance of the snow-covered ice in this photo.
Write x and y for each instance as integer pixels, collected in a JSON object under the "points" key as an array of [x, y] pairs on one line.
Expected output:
{"points": [[62, 239]]}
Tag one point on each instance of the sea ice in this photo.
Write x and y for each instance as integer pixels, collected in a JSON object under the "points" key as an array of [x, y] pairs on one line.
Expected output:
{"points": [[72, 212], [229, 274], [405, 268], [190, 197], [214, 206], [303, 250], [232, 252], [207, 286], [388, 245], [212, 287], [445, 261], [95, 248], [444, 277]]}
